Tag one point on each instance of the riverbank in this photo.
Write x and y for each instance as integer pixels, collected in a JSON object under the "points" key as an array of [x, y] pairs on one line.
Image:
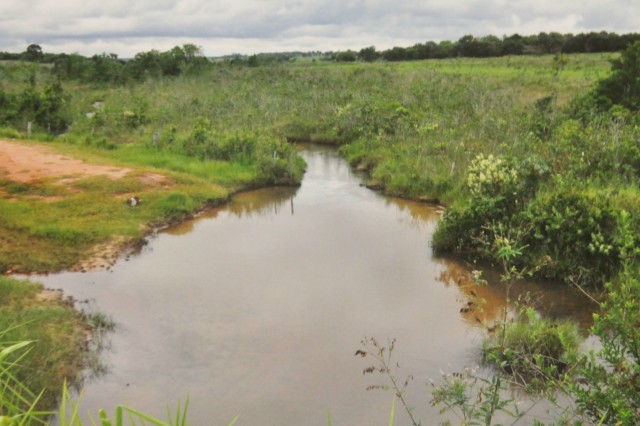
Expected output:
{"points": [[65, 206], [68, 206], [266, 283], [58, 337]]}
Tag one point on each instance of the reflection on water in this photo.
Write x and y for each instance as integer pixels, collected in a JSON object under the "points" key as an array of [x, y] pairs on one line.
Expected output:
{"points": [[417, 214], [484, 304], [256, 308], [261, 202], [264, 202]]}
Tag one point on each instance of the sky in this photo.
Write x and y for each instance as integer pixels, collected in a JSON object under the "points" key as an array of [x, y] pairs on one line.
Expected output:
{"points": [[126, 27]]}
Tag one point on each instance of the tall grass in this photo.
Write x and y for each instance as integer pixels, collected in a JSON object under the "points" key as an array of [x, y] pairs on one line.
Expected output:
{"points": [[17, 401], [68, 414], [414, 126], [41, 345]]}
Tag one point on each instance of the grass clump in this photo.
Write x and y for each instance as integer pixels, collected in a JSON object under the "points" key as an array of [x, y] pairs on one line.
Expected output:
{"points": [[175, 204], [59, 337], [534, 350]]}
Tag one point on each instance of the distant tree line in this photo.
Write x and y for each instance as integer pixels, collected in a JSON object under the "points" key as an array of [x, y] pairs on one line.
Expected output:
{"points": [[108, 68], [189, 58], [492, 46]]}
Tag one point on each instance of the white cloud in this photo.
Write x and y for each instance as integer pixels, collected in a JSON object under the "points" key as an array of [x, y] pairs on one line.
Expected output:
{"points": [[249, 26]]}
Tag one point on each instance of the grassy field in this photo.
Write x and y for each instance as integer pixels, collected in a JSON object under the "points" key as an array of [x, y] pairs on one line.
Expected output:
{"points": [[414, 125]]}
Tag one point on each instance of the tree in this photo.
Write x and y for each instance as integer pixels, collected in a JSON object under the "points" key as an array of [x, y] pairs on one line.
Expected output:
{"points": [[346, 56], [194, 57], [52, 115], [368, 54], [488, 46], [513, 45], [33, 53], [446, 49], [622, 87], [145, 64], [551, 42], [173, 62], [191, 52], [427, 50], [252, 61], [465, 47], [396, 54], [106, 68]]}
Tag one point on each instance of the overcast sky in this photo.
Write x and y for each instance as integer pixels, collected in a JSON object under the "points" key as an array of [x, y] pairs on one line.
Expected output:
{"points": [[126, 27]]}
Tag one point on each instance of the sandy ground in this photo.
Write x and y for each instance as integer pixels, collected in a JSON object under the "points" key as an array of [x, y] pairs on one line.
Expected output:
{"points": [[30, 163]]}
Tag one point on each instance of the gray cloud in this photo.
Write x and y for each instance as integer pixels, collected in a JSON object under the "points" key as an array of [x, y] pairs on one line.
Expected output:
{"points": [[249, 26]]}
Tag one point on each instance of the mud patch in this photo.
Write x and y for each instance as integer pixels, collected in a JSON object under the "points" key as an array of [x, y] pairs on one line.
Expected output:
{"points": [[47, 295], [105, 255]]}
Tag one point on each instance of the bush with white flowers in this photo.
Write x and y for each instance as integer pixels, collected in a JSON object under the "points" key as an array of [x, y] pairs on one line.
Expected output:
{"points": [[491, 176]]}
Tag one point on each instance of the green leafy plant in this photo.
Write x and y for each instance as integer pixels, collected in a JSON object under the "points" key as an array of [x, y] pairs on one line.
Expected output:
{"points": [[474, 399], [527, 352], [610, 391], [535, 351]]}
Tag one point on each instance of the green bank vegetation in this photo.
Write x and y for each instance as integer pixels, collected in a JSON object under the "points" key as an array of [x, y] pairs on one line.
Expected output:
{"points": [[538, 150], [49, 224], [43, 342], [414, 126]]}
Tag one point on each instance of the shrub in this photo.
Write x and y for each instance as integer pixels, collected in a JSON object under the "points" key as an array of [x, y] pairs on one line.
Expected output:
{"points": [[576, 232], [610, 393], [534, 350], [496, 189], [278, 163], [491, 177]]}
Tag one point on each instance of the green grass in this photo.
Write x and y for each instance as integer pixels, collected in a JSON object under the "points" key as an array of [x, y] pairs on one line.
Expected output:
{"points": [[279, 98], [47, 226], [232, 176], [533, 350], [414, 126], [58, 337]]}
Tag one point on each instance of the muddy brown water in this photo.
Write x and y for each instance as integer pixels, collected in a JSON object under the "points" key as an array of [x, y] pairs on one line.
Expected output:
{"points": [[257, 308]]}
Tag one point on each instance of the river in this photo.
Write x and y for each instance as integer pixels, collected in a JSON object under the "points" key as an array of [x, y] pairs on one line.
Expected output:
{"points": [[257, 308]]}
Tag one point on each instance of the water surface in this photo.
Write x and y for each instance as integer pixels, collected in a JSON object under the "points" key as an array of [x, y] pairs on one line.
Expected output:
{"points": [[257, 308]]}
